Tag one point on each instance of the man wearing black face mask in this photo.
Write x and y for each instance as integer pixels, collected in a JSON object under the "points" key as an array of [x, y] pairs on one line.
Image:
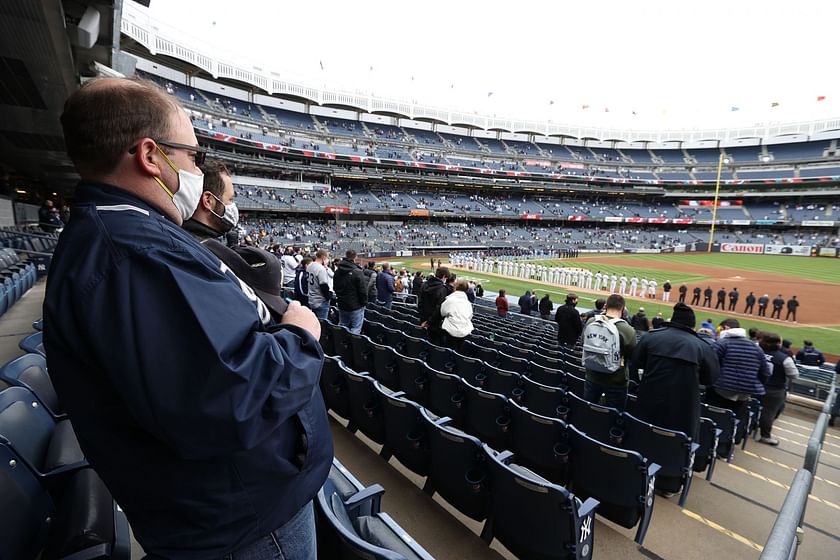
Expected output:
{"points": [[216, 213]]}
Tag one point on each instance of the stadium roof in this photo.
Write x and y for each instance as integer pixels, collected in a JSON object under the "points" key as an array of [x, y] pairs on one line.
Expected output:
{"points": [[608, 65]]}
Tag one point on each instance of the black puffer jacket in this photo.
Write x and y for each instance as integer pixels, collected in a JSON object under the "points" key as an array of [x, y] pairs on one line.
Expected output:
{"points": [[350, 286], [569, 325]]}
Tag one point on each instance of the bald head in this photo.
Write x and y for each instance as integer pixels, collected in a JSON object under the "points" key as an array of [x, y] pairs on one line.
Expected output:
{"points": [[104, 118]]}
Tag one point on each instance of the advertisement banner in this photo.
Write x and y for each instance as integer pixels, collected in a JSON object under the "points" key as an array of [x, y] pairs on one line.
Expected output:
{"points": [[530, 216], [828, 251], [634, 220], [739, 222], [337, 210], [679, 248], [613, 219], [683, 221], [657, 220], [576, 218], [818, 223], [419, 212], [721, 203], [741, 248], [796, 250]]}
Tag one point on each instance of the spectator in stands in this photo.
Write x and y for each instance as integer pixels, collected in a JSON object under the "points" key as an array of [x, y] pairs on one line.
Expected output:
{"points": [[470, 292], [456, 312], [743, 369], [431, 297], [216, 213], [754, 334], [479, 290], [525, 303], [782, 368], [370, 277], [569, 325], [502, 304], [290, 264], [750, 301], [675, 362], [792, 305], [640, 322], [599, 309], [835, 410], [657, 321], [302, 282], [613, 386], [48, 217], [222, 383], [64, 214], [545, 307], [763, 301], [417, 283], [810, 356], [385, 286], [786, 344], [778, 305], [318, 293], [351, 290]]}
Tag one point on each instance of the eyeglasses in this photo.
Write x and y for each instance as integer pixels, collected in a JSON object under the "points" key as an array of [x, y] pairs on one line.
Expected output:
{"points": [[200, 153]]}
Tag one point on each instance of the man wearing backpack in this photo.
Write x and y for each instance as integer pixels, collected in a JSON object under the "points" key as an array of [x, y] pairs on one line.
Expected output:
{"points": [[608, 343]]}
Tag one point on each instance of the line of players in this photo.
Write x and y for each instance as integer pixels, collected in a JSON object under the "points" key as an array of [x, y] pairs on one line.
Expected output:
{"points": [[581, 278]]}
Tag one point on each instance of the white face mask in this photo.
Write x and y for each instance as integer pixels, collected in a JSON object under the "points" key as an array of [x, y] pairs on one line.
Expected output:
{"points": [[190, 187], [231, 214]]}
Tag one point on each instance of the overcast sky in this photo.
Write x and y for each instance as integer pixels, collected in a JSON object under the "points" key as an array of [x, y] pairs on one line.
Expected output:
{"points": [[674, 63]]}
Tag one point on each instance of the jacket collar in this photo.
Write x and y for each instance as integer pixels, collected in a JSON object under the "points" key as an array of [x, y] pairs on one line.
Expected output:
{"points": [[194, 226], [103, 194]]}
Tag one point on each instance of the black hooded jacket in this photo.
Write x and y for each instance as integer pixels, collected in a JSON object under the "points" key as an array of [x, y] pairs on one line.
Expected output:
{"points": [[350, 286]]}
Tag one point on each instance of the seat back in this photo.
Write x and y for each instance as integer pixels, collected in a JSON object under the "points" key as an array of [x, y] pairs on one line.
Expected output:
{"points": [[540, 443], [34, 343], [592, 419], [413, 382], [468, 368], [504, 382], [486, 416], [534, 518], [385, 366], [342, 344], [362, 352], [728, 424], [26, 425], [546, 375], [375, 331], [622, 480], [543, 399], [441, 359], [334, 387], [365, 405], [446, 395], [27, 509], [406, 434], [30, 371], [706, 455], [574, 384], [458, 469], [327, 339]]}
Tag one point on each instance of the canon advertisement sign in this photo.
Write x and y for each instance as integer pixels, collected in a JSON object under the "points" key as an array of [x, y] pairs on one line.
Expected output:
{"points": [[741, 248]]}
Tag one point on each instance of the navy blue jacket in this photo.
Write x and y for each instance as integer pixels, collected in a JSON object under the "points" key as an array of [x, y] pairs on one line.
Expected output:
{"points": [[203, 418], [743, 367], [385, 287]]}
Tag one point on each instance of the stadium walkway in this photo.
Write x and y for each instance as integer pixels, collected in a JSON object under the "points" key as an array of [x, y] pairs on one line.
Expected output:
{"points": [[727, 518]]}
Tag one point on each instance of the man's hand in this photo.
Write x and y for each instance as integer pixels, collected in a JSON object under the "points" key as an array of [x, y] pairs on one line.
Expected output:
{"points": [[302, 317]]}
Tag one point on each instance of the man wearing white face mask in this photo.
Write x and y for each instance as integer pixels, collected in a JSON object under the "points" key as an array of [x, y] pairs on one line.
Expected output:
{"points": [[199, 410], [216, 213]]}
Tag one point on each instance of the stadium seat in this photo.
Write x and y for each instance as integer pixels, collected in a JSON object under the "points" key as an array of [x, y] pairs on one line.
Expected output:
{"points": [[673, 451], [540, 443], [365, 406], [416, 347], [486, 416], [543, 399], [385, 366], [440, 358], [468, 368], [375, 331], [574, 384], [594, 420], [82, 523], [706, 455], [30, 371], [412, 373], [728, 425], [49, 448], [327, 339], [334, 387], [446, 395], [534, 518], [621, 480], [458, 468], [547, 376], [362, 352], [406, 434], [33, 344], [342, 345], [351, 525], [497, 380]]}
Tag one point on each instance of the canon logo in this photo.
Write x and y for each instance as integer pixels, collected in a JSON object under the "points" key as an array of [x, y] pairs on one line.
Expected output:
{"points": [[741, 248]]}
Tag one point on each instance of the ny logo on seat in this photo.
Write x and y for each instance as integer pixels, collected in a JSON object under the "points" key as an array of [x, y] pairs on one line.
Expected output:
{"points": [[585, 529]]}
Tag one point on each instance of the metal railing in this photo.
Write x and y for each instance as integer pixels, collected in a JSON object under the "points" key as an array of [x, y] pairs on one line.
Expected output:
{"points": [[786, 535]]}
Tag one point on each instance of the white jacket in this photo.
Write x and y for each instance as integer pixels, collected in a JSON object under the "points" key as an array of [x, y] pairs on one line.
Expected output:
{"points": [[457, 312]]}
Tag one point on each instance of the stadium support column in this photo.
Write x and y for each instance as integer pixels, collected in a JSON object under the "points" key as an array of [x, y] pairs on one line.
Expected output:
{"points": [[715, 204]]}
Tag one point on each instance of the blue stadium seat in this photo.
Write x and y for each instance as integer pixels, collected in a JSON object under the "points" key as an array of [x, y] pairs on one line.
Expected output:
{"points": [[727, 422], [334, 387], [542, 399], [413, 382], [486, 416], [362, 352], [365, 406], [385, 366], [622, 480], [406, 434], [706, 455], [30, 371], [594, 420], [534, 518], [33, 344], [540, 443]]}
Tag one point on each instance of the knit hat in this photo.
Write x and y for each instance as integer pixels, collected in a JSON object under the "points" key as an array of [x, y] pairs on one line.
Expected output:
{"points": [[683, 315]]}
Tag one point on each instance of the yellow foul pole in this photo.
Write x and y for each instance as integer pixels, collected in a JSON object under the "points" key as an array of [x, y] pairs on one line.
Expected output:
{"points": [[715, 206]]}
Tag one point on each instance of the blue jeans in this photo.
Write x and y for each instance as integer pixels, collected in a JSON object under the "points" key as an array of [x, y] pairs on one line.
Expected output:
{"points": [[323, 311], [385, 304], [352, 319], [616, 398], [293, 541]]}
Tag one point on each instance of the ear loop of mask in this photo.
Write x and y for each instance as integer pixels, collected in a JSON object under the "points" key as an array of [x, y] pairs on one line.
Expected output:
{"points": [[174, 168]]}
